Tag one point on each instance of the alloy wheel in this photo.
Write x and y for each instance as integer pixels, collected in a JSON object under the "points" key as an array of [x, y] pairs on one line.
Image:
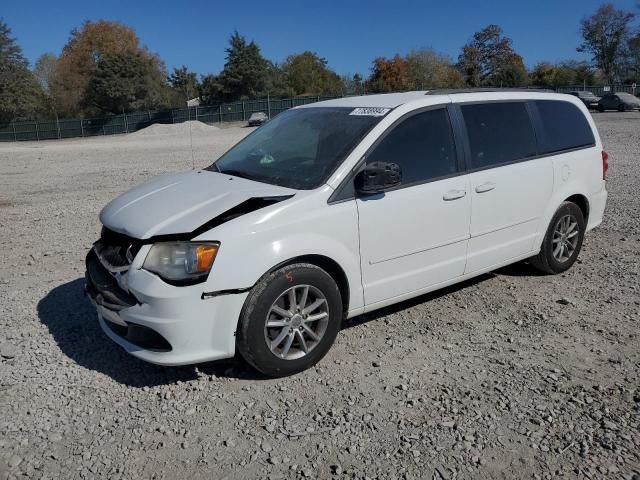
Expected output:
{"points": [[296, 322], [565, 238]]}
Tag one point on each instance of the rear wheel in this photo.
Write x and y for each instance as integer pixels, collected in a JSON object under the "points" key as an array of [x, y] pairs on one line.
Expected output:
{"points": [[622, 107], [600, 108], [290, 320], [563, 240]]}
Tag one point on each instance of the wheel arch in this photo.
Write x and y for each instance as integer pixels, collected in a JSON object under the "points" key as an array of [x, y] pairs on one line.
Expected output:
{"points": [[582, 202], [574, 192], [329, 265]]}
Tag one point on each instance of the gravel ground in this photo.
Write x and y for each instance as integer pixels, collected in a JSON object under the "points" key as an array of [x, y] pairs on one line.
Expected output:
{"points": [[510, 375]]}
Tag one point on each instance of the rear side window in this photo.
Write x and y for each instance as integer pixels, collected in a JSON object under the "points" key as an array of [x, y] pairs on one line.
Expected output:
{"points": [[422, 145], [498, 133], [564, 127]]}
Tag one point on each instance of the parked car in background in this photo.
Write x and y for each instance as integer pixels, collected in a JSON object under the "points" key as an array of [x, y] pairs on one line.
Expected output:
{"points": [[257, 119], [618, 101], [588, 98], [339, 208]]}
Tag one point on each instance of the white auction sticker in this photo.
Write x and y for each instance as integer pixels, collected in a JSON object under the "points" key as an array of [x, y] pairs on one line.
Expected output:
{"points": [[370, 111]]}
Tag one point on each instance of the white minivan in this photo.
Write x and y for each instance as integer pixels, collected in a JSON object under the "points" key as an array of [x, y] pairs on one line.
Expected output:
{"points": [[338, 208]]}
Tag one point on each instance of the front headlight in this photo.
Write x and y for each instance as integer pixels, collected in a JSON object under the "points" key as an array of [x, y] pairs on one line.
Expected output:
{"points": [[181, 262]]}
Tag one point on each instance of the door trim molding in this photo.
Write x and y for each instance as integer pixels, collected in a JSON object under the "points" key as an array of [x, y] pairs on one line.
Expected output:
{"points": [[493, 230], [433, 247]]}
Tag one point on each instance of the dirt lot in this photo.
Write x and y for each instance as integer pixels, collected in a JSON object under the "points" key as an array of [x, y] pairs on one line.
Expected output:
{"points": [[511, 375]]}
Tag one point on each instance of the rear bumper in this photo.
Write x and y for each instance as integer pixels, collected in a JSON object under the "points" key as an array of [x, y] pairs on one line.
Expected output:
{"points": [[168, 325], [597, 204]]}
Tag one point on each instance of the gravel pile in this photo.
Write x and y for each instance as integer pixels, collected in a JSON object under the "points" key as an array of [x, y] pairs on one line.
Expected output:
{"points": [[183, 128], [510, 375]]}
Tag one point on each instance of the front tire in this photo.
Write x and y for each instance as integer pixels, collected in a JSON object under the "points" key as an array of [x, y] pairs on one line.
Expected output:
{"points": [[290, 320], [563, 240]]}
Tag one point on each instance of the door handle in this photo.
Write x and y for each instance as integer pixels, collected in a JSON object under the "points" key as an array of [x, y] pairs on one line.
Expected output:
{"points": [[485, 187], [453, 195]]}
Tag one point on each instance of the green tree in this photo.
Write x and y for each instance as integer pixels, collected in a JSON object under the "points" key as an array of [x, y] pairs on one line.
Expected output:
{"points": [[583, 73], [308, 74], [211, 90], [20, 93], [568, 72], [124, 82], [245, 71], [184, 85], [606, 36], [78, 61], [489, 60], [276, 84], [429, 70], [511, 73]]}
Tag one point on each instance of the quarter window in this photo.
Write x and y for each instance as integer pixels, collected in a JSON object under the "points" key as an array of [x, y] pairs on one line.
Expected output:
{"points": [[422, 145], [498, 133], [564, 127]]}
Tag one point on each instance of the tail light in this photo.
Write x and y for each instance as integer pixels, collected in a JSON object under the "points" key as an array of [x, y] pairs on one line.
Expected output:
{"points": [[605, 164]]}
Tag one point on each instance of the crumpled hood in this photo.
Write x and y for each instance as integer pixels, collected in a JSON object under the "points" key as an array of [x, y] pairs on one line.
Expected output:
{"points": [[181, 202]]}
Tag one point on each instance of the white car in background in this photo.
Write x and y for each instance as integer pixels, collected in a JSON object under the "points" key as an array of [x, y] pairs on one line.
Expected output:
{"points": [[338, 208], [258, 118]]}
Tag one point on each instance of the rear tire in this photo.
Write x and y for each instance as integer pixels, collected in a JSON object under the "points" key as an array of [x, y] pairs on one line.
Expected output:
{"points": [[281, 333], [600, 108], [563, 240], [622, 107]]}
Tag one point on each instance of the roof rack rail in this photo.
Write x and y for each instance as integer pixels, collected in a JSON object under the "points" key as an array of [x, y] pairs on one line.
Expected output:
{"points": [[446, 91]]}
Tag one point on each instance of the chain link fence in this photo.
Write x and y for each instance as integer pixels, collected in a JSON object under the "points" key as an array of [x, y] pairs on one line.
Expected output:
{"points": [[226, 112], [131, 122], [600, 90]]}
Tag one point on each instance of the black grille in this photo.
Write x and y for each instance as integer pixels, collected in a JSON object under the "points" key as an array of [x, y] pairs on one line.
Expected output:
{"points": [[140, 336], [115, 250], [103, 288]]}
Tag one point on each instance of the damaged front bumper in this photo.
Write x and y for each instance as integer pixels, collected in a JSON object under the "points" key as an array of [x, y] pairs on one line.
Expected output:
{"points": [[161, 323]]}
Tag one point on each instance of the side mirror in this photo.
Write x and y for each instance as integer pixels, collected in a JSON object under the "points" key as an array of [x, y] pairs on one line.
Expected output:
{"points": [[377, 177]]}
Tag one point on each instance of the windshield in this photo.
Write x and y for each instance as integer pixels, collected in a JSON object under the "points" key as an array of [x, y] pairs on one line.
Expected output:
{"points": [[300, 148]]}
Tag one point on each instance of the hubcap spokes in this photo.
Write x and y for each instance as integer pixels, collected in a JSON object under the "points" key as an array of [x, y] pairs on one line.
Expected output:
{"points": [[565, 238], [296, 322]]}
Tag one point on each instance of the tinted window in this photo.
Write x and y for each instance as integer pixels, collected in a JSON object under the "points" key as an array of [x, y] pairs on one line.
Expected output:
{"points": [[498, 133], [563, 126], [300, 148], [422, 145]]}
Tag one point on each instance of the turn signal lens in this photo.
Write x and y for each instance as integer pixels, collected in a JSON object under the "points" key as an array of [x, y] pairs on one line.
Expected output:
{"points": [[205, 255]]}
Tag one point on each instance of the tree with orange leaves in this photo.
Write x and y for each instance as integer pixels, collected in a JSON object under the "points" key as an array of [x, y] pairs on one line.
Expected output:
{"points": [[389, 75], [82, 53]]}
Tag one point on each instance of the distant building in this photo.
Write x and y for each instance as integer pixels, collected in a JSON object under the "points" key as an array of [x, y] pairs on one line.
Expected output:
{"points": [[194, 102]]}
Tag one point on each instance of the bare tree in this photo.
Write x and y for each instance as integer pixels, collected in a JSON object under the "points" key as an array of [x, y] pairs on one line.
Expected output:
{"points": [[606, 37], [489, 59], [45, 69]]}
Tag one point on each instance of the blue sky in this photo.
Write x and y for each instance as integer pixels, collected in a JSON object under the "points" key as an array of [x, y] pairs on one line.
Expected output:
{"points": [[348, 34]]}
